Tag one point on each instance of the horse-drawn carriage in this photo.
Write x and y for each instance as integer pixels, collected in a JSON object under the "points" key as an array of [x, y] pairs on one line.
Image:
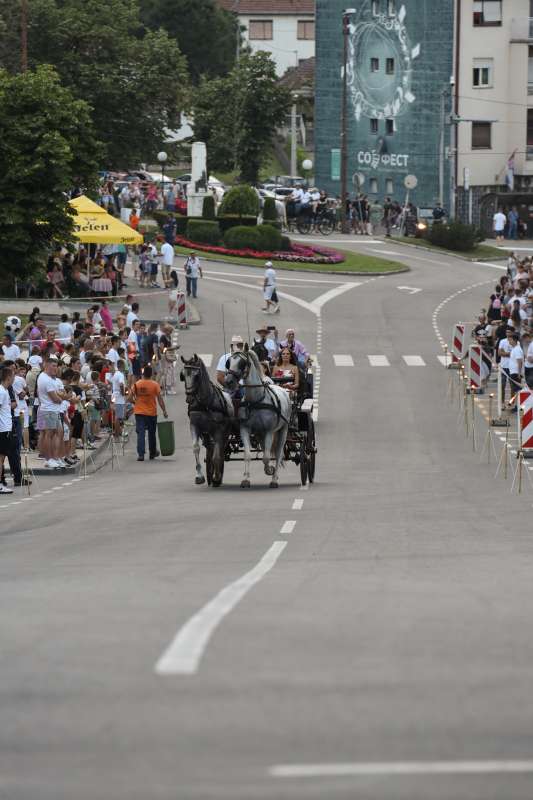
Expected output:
{"points": [[269, 423]]}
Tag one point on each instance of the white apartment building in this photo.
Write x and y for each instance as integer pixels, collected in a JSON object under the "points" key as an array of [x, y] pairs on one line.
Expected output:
{"points": [[283, 28], [493, 100]]}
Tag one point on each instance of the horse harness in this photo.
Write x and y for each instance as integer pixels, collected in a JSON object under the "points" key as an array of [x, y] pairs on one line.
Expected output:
{"points": [[258, 405]]}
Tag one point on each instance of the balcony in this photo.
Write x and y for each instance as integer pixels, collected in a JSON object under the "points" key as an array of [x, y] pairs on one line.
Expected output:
{"points": [[522, 29]]}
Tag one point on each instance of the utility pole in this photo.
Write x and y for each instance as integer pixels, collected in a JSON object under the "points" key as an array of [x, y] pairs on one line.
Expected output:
{"points": [[442, 144], [23, 35], [294, 163], [344, 119]]}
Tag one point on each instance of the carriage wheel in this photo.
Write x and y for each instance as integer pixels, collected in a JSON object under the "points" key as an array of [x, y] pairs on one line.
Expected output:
{"points": [[311, 452], [303, 225], [303, 462]]}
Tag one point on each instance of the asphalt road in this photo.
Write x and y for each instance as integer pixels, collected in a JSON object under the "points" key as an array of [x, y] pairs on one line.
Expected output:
{"points": [[389, 633]]}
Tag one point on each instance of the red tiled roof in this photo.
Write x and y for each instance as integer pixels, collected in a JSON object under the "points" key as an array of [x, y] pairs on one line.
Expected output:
{"points": [[269, 6], [302, 76]]}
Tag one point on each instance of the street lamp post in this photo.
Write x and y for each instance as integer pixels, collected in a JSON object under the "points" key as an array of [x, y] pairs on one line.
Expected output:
{"points": [[162, 157], [344, 119], [294, 114]]}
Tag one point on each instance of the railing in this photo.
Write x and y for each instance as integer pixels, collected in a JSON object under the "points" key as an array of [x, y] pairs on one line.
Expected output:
{"points": [[522, 29]]}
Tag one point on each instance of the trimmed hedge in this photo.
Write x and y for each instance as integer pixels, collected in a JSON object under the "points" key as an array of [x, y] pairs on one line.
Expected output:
{"points": [[208, 207], [241, 200], [286, 244], [455, 236], [261, 237], [269, 237], [242, 237], [203, 231], [232, 220]]}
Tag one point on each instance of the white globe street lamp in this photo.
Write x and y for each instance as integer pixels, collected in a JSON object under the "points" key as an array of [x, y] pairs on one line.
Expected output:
{"points": [[307, 165], [162, 157]]}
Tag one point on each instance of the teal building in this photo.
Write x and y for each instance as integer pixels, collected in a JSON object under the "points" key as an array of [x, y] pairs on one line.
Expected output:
{"points": [[399, 65]]}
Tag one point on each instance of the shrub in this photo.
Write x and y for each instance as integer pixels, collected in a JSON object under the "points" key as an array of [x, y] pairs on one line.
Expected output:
{"points": [[208, 207], [242, 237], [285, 244], [270, 213], [269, 237], [203, 231], [241, 200], [455, 236], [232, 220]]}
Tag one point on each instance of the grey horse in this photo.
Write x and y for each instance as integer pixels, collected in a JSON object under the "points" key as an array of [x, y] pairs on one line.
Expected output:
{"points": [[264, 411], [211, 415]]}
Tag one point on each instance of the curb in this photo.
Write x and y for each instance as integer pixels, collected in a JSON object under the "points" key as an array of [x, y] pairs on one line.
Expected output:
{"points": [[449, 253], [94, 454], [310, 271]]}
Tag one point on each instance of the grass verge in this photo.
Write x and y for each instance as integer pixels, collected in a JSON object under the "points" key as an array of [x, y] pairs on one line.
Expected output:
{"points": [[482, 251], [354, 262]]}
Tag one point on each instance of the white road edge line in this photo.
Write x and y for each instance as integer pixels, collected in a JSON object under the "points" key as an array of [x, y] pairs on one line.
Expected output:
{"points": [[379, 769], [184, 654], [288, 526], [298, 504]]}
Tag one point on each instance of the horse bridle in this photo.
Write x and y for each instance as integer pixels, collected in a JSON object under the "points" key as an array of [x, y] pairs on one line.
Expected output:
{"points": [[196, 367], [245, 373]]}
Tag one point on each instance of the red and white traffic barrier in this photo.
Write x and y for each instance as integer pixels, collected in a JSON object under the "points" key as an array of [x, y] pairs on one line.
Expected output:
{"points": [[459, 343], [475, 366], [182, 310], [525, 420]]}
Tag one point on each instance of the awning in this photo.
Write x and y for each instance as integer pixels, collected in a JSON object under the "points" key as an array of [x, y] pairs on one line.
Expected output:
{"points": [[93, 225]]}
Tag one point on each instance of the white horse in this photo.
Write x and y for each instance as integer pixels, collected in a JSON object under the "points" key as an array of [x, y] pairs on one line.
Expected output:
{"points": [[265, 411]]}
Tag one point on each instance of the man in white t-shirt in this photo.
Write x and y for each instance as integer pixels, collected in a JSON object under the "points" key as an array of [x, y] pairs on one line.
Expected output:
{"points": [[112, 353], [269, 289], [6, 421], [65, 330], [167, 262], [527, 347], [193, 271], [21, 393], [516, 368], [498, 224], [115, 378], [504, 351], [237, 343], [10, 350], [132, 315], [50, 402]]}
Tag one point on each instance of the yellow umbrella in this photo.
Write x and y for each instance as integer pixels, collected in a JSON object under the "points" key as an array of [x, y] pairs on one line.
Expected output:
{"points": [[93, 225]]}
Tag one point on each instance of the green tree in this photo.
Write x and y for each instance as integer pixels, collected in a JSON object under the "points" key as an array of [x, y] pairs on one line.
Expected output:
{"points": [[240, 200], [135, 80], [206, 33], [47, 144], [237, 115]]}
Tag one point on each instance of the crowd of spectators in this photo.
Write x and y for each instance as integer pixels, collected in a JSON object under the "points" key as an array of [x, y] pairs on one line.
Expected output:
{"points": [[64, 387], [505, 330]]}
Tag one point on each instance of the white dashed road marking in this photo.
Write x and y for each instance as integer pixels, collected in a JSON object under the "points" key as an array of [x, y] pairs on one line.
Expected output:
{"points": [[379, 361], [445, 360], [207, 358], [297, 504], [380, 769], [414, 361], [343, 361], [288, 526]]}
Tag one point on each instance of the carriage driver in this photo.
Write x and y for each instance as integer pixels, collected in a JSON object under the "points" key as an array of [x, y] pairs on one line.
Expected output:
{"points": [[237, 343]]}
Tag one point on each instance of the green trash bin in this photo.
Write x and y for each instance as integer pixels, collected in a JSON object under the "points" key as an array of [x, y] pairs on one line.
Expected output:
{"points": [[165, 431]]}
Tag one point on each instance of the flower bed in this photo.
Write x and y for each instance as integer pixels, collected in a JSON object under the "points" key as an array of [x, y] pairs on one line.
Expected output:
{"points": [[305, 254]]}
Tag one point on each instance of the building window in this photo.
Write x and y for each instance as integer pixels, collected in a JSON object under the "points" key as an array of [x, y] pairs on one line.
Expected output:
{"points": [[374, 65], [482, 73], [373, 186], [373, 125], [389, 68], [487, 12], [389, 186], [391, 8], [375, 8], [529, 151], [260, 29], [481, 135], [530, 72], [389, 127], [306, 29]]}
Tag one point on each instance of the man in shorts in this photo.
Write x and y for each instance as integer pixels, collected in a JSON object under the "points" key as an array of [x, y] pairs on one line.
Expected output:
{"points": [[50, 401], [269, 290]]}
